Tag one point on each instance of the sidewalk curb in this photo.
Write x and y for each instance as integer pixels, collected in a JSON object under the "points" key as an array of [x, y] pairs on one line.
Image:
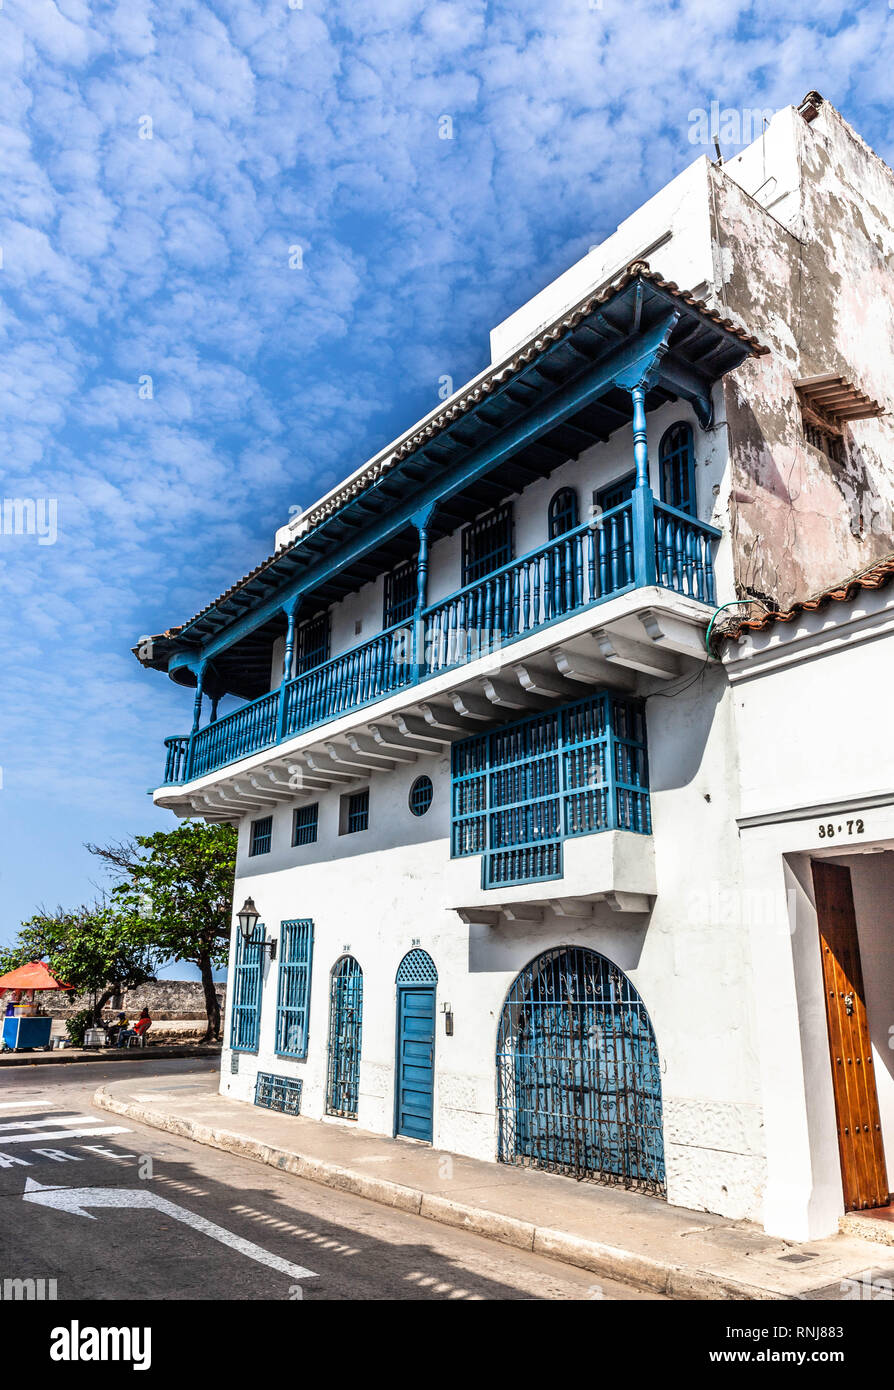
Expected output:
{"points": [[611, 1262], [105, 1054]]}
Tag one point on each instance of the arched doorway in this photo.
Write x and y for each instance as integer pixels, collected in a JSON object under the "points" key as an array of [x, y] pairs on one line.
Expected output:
{"points": [[345, 1030], [578, 1078], [417, 980]]}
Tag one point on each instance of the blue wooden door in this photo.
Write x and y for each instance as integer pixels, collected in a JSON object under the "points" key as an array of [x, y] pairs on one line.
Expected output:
{"points": [[415, 1060]]}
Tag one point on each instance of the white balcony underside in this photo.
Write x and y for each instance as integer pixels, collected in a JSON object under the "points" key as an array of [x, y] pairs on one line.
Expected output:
{"points": [[646, 635], [614, 867]]}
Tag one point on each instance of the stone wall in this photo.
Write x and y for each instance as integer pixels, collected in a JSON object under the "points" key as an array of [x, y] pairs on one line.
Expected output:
{"points": [[172, 999]]}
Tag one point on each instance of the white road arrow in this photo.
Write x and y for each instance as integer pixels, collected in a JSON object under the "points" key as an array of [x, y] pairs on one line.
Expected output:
{"points": [[76, 1199]]}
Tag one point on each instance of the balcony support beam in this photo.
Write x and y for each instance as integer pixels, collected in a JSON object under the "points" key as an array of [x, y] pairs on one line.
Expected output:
{"points": [[323, 766], [472, 706], [446, 721], [543, 683], [253, 794], [591, 671], [362, 763], [304, 778], [390, 738], [624, 651], [378, 757], [423, 735], [673, 635], [504, 695], [267, 789]]}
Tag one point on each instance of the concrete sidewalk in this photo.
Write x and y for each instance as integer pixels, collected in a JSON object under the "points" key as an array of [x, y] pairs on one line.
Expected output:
{"points": [[619, 1235], [107, 1054]]}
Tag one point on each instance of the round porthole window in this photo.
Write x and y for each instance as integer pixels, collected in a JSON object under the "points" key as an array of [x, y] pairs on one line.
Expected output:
{"points": [[420, 796]]}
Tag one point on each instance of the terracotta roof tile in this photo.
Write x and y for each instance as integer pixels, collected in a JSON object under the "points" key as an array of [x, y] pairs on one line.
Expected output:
{"points": [[876, 577]]}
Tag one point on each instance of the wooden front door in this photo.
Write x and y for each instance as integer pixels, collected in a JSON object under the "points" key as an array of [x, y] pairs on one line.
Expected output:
{"points": [[863, 1171]]}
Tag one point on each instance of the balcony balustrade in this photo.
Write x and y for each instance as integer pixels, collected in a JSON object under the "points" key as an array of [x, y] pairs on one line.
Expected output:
{"points": [[642, 542]]}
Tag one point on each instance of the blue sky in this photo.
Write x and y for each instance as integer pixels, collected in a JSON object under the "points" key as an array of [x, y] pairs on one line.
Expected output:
{"points": [[157, 163]]}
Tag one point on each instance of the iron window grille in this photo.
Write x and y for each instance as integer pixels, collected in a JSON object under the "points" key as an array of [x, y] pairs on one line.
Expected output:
{"points": [[421, 794], [358, 812], [245, 1020], [563, 512], [830, 444], [400, 595], [293, 988], [312, 644], [261, 836], [578, 1073], [345, 1038], [520, 791], [305, 823], [487, 544], [278, 1093], [676, 462]]}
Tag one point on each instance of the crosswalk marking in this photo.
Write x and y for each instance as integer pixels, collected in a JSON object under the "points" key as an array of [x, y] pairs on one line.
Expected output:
{"points": [[50, 1120], [42, 1136], [25, 1104]]}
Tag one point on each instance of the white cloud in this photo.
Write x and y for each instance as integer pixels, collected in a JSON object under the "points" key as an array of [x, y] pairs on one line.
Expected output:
{"points": [[168, 256]]}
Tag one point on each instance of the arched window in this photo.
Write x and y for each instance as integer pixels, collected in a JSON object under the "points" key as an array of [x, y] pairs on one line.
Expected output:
{"points": [[676, 461], [562, 512], [345, 1033], [578, 1074]]}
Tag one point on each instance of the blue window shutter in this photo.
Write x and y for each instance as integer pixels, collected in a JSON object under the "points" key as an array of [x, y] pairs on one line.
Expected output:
{"points": [[293, 990], [248, 982]]}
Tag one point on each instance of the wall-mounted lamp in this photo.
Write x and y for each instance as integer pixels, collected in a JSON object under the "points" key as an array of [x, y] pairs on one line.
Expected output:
{"points": [[447, 1011], [247, 917]]}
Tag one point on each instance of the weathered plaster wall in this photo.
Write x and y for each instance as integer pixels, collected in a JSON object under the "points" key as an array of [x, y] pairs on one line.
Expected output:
{"points": [[811, 275]]}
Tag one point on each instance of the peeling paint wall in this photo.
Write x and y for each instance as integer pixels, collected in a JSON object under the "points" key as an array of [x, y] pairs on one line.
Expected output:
{"points": [[804, 244]]}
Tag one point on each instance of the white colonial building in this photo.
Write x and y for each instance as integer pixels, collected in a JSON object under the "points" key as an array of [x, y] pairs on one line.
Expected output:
{"points": [[527, 814]]}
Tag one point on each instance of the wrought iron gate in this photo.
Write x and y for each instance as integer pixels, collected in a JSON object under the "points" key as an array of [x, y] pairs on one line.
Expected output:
{"points": [[578, 1078], [345, 1026]]}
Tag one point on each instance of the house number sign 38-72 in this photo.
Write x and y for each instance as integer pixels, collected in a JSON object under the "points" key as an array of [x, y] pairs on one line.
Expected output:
{"points": [[828, 830]]}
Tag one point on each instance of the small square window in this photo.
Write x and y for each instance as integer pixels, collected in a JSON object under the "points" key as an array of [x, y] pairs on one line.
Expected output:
{"points": [[261, 835], [354, 812], [832, 445], [304, 824]]}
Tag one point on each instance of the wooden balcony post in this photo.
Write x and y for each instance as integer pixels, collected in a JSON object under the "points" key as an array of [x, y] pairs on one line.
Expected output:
{"points": [[422, 521], [291, 612], [196, 716], [643, 500]]}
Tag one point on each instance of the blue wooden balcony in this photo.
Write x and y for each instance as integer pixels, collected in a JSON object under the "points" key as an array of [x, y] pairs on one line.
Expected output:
{"points": [[642, 542]]}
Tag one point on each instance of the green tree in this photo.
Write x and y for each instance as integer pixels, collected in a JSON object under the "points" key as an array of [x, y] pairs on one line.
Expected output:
{"points": [[180, 884], [103, 948]]}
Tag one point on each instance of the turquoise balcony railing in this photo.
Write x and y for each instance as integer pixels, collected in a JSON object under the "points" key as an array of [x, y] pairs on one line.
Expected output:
{"points": [[638, 543]]}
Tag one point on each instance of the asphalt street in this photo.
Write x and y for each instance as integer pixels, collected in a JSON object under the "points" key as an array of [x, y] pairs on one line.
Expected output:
{"points": [[113, 1210]]}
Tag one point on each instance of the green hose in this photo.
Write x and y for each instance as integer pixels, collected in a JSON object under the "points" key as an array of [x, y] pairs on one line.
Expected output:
{"points": [[716, 614]]}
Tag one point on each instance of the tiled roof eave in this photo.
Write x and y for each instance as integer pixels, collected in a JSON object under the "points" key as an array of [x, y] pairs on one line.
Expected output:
{"points": [[875, 577]]}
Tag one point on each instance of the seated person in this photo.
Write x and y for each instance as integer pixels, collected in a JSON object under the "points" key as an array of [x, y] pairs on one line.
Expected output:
{"points": [[116, 1028], [139, 1028]]}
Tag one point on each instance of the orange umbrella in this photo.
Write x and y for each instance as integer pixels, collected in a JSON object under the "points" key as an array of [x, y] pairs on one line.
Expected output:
{"points": [[34, 975]]}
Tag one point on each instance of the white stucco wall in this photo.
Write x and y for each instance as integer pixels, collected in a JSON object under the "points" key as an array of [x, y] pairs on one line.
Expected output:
{"points": [[815, 750], [380, 892]]}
